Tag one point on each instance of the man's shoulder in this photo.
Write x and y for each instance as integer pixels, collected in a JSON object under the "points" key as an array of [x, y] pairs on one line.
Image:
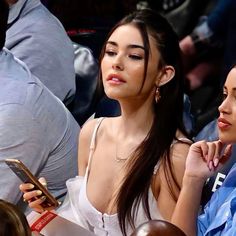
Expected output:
{"points": [[41, 21], [15, 79]]}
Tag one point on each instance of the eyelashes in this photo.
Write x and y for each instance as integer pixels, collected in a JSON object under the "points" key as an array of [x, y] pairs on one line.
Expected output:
{"points": [[224, 96], [135, 57], [110, 53]]}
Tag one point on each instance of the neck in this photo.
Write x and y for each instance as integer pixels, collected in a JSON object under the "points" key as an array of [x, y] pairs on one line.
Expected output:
{"points": [[129, 133], [136, 124], [136, 115]]}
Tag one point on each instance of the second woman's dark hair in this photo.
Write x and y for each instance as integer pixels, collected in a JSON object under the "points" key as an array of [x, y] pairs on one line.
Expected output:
{"points": [[168, 118]]}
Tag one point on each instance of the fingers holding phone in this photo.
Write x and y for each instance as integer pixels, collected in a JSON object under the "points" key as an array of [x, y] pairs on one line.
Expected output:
{"points": [[38, 197], [43, 181], [29, 190], [34, 198]]}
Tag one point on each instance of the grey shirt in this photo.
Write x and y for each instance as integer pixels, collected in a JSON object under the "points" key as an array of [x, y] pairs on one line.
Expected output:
{"points": [[36, 37], [36, 128]]}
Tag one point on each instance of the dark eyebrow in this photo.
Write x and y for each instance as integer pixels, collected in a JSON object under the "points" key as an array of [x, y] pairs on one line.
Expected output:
{"points": [[129, 46], [234, 89]]}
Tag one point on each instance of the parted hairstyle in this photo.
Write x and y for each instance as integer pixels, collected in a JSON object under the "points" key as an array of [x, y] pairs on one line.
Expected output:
{"points": [[13, 222], [4, 11], [167, 119]]}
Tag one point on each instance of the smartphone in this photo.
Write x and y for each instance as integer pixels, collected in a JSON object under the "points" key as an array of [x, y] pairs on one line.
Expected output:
{"points": [[27, 177]]}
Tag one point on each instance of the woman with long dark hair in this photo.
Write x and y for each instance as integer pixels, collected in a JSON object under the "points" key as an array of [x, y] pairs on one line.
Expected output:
{"points": [[204, 159], [131, 166]]}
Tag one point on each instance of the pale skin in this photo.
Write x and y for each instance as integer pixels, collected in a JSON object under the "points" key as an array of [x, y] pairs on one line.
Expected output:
{"points": [[208, 157], [122, 71]]}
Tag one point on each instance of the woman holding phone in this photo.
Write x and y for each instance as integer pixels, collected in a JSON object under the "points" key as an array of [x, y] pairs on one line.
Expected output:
{"points": [[131, 166]]}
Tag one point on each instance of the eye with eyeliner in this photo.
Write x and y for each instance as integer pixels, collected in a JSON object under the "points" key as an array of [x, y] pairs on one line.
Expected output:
{"points": [[110, 52], [224, 96], [135, 57]]}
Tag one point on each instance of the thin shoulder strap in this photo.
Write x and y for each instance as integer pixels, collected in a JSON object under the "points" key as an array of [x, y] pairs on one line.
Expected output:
{"points": [[93, 140], [183, 139]]}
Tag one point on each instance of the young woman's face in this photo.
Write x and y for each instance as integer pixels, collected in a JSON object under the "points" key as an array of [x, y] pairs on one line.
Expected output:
{"points": [[123, 65], [227, 119]]}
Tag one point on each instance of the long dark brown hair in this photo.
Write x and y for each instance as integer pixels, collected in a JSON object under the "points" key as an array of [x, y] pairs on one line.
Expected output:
{"points": [[167, 119], [13, 221]]}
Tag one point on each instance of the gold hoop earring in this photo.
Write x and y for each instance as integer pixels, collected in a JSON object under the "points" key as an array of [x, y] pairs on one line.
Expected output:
{"points": [[157, 95]]}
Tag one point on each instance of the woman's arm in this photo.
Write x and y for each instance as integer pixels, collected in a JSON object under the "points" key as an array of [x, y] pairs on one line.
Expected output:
{"points": [[202, 161], [165, 200], [187, 207]]}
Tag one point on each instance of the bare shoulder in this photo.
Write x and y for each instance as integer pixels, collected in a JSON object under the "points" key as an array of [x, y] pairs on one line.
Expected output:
{"points": [[87, 129], [180, 146], [167, 177], [179, 152], [85, 138]]}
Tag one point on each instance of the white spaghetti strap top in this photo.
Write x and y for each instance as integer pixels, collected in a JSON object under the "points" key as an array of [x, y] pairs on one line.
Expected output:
{"points": [[85, 214], [93, 141]]}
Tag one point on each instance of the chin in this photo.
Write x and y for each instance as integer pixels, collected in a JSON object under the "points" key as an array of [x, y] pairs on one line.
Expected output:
{"points": [[111, 94], [227, 138]]}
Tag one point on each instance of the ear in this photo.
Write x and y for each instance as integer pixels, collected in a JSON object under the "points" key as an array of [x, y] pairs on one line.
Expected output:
{"points": [[167, 74]]}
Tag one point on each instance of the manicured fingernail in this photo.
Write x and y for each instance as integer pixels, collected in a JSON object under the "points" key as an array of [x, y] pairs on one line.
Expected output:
{"points": [[43, 198], [210, 165], [216, 162], [31, 186], [38, 192]]}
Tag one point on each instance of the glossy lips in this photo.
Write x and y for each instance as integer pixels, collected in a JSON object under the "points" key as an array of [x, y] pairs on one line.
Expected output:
{"points": [[223, 123], [115, 79]]}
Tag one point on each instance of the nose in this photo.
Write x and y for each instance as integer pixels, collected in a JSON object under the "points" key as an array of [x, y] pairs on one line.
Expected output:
{"points": [[224, 106], [117, 63]]}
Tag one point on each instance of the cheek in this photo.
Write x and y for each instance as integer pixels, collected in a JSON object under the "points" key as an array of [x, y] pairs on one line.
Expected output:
{"points": [[133, 66], [234, 115], [136, 71], [103, 64], [104, 68]]}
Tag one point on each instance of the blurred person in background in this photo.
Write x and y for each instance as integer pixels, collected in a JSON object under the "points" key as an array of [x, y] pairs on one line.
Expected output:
{"points": [[35, 126], [37, 38]]}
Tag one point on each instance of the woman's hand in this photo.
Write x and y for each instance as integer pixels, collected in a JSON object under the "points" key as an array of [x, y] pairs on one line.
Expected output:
{"points": [[204, 158], [33, 197]]}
